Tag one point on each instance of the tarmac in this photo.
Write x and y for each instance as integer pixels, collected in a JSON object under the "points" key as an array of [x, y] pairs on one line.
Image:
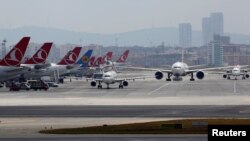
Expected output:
{"points": [[142, 100]]}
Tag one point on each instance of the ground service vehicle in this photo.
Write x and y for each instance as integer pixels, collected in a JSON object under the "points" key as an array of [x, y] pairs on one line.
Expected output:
{"points": [[38, 85]]}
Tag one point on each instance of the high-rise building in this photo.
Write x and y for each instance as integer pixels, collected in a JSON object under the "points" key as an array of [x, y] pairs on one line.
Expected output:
{"points": [[215, 54], [185, 34], [212, 25], [217, 23], [206, 30]]}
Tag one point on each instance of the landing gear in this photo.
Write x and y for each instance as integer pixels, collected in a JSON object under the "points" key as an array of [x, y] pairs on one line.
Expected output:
{"points": [[99, 85], [120, 86], [107, 86], [228, 78], [243, 77], [192, 77], [168, 79]]}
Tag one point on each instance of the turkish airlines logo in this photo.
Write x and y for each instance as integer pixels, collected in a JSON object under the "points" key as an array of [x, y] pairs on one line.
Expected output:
{"points": [[14, 58], [123, 58], [71, 59], [40, 56]]}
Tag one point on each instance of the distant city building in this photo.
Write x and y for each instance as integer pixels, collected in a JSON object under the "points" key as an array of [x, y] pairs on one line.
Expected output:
{"points": [[185, 34], [212, 25], [221, 39], [236, 54], [215, 54], [217, 23], [206, 30]]}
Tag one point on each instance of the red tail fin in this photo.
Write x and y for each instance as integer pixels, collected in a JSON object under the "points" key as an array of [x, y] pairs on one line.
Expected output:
{"points": [[91, 61], [15, 55], [71, 57], [123, 57], [41, 55], [97, 62], [107, 57]]}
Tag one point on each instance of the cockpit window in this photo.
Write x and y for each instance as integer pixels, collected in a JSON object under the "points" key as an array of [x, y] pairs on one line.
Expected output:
{"points": [[106, 75], [176, 67]]}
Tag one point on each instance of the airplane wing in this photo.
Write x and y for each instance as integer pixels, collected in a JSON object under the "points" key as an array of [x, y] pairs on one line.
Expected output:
{"points": [[41, 66], [17, 70], [146, 69], [129, 79]]}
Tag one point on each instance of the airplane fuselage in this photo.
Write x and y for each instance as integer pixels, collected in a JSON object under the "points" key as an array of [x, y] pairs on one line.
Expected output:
{"points": [[109, 77], [236, 71], [179, 69]]}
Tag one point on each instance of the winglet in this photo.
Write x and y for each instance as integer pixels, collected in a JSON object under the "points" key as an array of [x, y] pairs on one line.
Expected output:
{"points": [[16, 54], [41, 55]]}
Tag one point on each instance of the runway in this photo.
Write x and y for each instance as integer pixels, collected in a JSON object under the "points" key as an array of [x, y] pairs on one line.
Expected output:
{"points": [[115, 138], [166, 111]]}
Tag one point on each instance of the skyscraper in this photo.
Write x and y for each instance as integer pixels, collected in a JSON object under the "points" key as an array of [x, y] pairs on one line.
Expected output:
{"points": [[206, 30], [217, 23], [185, 34], [212, 25]]}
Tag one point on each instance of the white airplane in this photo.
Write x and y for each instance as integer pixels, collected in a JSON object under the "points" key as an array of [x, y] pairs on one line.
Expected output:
{"points": [[108, 75], [178, 70], [10, 65], [234, 72]]}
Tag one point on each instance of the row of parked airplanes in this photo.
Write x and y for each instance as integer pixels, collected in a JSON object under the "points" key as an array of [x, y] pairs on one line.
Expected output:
{"points": [[12, 66]]}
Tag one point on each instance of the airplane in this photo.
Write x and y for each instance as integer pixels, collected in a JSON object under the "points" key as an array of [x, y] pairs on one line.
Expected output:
{"points": [[100, 60], [57, 69], [123, 57], [178, 70], [108, 75], [82, 65], [10, 65], [38, 60], [235, 72], [121, 61]]}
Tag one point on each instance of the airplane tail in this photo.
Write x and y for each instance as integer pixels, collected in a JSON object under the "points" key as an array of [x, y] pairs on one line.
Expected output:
{"points": [[107, 57], [41, 55], [97, 62], [123, 57], [71, 57], [15, 55], [91, 61], [84, 60]]}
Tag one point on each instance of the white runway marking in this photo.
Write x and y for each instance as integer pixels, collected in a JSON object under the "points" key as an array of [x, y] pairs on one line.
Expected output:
{"points": [[234, 86], [159, 88]]}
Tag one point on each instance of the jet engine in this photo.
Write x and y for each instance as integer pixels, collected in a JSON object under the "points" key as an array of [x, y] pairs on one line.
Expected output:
{"points": [[224, 76], [125, 83], [247, 75], [158, 75], [93, 83], [200, 74]]}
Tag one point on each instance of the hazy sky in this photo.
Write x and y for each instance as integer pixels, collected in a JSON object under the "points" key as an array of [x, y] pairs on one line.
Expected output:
{"points": [[112, 16]]}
